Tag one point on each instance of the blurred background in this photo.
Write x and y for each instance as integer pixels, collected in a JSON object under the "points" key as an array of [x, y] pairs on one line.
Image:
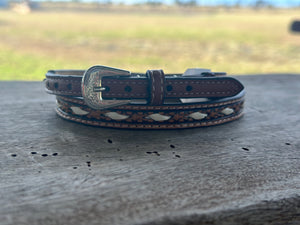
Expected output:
{"points": [[237, 37]]}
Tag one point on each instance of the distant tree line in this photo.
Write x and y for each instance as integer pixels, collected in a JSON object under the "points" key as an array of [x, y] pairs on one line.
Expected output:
{"points": [[255, 4], [186, 2], [238, 3]]}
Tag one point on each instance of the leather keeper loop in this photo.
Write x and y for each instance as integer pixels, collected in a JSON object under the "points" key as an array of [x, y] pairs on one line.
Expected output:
{"points": [[154, 100], [156, 86]]}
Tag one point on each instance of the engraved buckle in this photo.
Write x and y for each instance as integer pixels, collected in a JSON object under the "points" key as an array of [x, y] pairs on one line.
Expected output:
{"points": [[92, 87]]}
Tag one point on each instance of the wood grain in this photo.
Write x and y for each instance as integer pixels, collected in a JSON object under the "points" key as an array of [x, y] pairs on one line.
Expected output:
{"points": [[245, 172]]}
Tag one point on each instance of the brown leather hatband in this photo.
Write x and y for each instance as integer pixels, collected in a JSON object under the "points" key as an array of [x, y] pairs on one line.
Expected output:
{"points": [[109, 97]]}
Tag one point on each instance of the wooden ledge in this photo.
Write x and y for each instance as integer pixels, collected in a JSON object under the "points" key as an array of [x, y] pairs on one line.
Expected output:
{"points": [[245, 172]]}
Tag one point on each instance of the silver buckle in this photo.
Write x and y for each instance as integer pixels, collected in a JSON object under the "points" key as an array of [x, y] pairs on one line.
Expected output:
{"points": [[92, 87]]}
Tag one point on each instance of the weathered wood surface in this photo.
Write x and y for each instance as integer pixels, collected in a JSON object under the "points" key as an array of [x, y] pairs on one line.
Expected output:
{"points": [[245, 172]]}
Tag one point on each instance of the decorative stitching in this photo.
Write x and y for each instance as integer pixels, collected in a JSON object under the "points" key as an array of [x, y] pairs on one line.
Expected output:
{"points": [[66, 92], [200, 93], [174, 94], [170, 82], [161, 86], [63, 91], [125, 82], [148, 126], [62, 79], [126, 94], [140, 116], [157, 77], [196, 82], [153, 86], [161, 107]]}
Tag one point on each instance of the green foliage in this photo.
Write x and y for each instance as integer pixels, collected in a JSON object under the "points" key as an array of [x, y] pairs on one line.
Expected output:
{"points": [[238, 42]]}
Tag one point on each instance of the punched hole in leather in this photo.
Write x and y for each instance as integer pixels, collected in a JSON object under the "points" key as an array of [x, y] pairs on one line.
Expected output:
{"points": [[151, 101]]}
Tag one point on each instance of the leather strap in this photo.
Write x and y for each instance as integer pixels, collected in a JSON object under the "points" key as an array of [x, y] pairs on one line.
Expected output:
{"points": [[153, 117], [157, 86], [68, 83], [164, 108]]}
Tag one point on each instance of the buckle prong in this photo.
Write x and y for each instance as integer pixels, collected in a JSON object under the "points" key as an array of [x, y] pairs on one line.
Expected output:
{"points": [[99, 89], [92, 87]]}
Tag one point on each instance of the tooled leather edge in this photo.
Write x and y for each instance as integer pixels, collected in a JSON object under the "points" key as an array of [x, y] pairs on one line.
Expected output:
{"points": [[175, 107], [71, 86], [230, 110], [148, 126]]}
